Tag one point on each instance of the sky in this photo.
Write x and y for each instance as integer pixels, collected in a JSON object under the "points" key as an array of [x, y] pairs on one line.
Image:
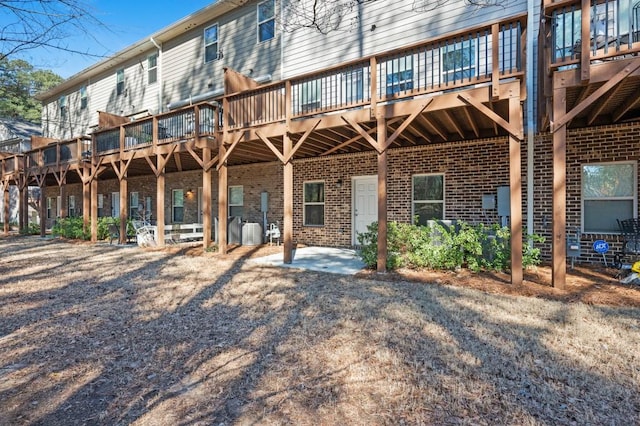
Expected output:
{"points": [[127, 22]]}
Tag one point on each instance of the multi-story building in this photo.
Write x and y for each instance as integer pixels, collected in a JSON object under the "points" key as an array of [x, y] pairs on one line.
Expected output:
{"points": [[485, 114]]}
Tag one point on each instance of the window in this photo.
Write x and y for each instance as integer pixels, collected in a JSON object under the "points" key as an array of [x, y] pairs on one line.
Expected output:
{"points": [[72, 206], [147, 209], [608, 193], [428, 198], [314, 203], [459, 61], [178, 205], [152, 68], [310, 95], [211, 43], [266, 20], [353, 86], [83, 97], [49, 208], [236, 200], [133, 205], [399, 75], [119, 82], [62, 101], [100, 205], [58, 206]]}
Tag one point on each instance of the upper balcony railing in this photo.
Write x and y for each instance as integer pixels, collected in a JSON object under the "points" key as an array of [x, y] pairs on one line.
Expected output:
{"points": [[467, 58], [58, 153], [613, 30], [175, 126]]}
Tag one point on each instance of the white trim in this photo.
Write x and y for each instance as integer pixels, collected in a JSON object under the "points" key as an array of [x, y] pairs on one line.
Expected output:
{"points": [[313, 203], [258, 22], [217, 42]]}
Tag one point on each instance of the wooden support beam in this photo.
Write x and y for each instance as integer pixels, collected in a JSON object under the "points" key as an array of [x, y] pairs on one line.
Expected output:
{"points": [[223, 205], [94, 205], [124, 204], [382, 197], [178, 161], [628, 104], [304, 137], [472, 122], [560, 121], [585, 53], [436, 129], [206, 200], [43, 211], [403, 126], [271, 146], [288, 202], [356, 138], [515, 184], [516, 130], [453, 123], [160, 195], [86, 199], [595, 112], [365, 135], [233, 146], [559, 202], [6, 207], [495, 61]]}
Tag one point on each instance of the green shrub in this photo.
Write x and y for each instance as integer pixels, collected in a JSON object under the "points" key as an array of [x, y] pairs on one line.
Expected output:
{"points": [[439, 246], [31, 229], [70, 227]]}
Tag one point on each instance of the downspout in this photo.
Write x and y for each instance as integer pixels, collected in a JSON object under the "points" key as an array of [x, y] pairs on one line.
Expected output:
{"points": [[159, 68], [530, 117]]}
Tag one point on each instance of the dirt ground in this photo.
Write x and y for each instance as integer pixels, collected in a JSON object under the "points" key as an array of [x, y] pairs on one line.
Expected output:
{"points": [[94, 334]]}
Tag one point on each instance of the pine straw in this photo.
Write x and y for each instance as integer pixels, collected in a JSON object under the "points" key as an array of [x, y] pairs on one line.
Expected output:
{"points": [[99, 334]]}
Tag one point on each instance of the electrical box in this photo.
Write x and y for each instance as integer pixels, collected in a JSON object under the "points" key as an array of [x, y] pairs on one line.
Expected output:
{"points": [[488, 201], [504, 201], [264, 202]]}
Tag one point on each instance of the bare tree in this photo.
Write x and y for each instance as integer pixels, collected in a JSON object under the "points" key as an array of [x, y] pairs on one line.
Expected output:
{"points": [[27, 24], [325, 16]]}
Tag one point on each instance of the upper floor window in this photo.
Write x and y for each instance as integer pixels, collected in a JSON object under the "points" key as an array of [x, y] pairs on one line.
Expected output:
{"points": [[459, 61], [428, 198], [266, 20], [62, 101], [152, 68], [84, 100], [399, 75], [608, 193], [120, 82], [211, 43]]}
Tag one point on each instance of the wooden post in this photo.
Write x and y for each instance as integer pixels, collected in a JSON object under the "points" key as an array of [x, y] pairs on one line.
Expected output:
{"points": [[94, 208], [6, 207], [288, 202], [287, 235], [124, 205], [206, 199], [86, 199], [559, 205], [160, 189], [21, 215], [382, 197], [63, 199], [585, 33], [222, 202], [515, 183], [43, 211]]}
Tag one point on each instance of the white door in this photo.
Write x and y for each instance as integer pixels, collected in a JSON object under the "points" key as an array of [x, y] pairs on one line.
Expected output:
{"points": [[115, 204], [365, 204]]}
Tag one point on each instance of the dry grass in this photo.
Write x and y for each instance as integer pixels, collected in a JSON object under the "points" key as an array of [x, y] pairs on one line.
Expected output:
{"points": [[98, 334]]}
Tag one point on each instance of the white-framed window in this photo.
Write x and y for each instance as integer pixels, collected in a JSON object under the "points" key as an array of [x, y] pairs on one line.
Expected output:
{"points": [[177, 209], [72, 206], [458, 61], [62, 101], [236, 200], [211, 43], [100, 205], [58, 206], [399, 73], [120, 82], [353, 86], [134, 200], [427, 198], [313, 203], [49, 208], [608, 193], [84, 99], [147, 208], [152, 68], [310, 95], [266, 20]]}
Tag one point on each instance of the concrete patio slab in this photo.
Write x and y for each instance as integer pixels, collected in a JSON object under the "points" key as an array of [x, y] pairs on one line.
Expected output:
{"points": [[323, 259]]}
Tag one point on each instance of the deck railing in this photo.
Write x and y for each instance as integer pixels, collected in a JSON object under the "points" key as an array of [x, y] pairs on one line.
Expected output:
{"points": [[614, 30], [462, 59], [171, 127]]}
